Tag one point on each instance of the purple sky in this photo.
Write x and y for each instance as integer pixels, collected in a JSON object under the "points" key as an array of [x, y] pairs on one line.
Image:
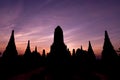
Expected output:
{"points": [[81, 21]]}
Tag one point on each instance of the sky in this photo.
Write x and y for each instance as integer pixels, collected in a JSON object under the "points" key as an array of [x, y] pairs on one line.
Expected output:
{"points": [[81, 21]]}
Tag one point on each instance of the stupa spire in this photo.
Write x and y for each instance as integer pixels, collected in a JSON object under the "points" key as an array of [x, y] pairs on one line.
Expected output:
{"points": [[58, 35], [108, 52], [11, 50], [28, 51]]}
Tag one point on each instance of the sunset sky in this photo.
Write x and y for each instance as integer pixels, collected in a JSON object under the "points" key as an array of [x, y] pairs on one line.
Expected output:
{"points": [[81, 21]]}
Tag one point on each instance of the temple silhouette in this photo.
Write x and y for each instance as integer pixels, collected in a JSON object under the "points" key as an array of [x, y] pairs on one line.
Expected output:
{"points": [[28, 51], [58, 51], [11, 50], [108, 53], [91, 55], [58, 48], [60, 63]]}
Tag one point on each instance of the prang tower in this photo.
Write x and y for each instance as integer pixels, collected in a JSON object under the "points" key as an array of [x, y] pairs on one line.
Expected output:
{"points": [[58, 48], [108, 53], [11, 50]]}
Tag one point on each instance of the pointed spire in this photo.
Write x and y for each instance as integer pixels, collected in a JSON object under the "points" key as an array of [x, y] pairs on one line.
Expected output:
{"points": [[28, 46], [28, 51], [13, 32], [107, 41], [43, 51], [73, 52], [35, 48], [11, 47], [91, 54], [28, 43], [81, 48], [12, 40], [106, 34], [43, 54], [108, 52], [90, 48], [90, 45]]}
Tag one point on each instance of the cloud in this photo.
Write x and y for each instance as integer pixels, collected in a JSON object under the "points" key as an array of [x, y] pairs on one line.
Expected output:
{"points": [[10, 12], [81, 21]]}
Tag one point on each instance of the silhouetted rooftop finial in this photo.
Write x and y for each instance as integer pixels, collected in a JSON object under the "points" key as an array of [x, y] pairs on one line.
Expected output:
{"points": [[12, 36], [106, 35], [28, 46]]}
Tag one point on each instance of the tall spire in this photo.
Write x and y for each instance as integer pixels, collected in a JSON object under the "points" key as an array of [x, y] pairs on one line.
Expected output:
{"points": [[73, 52], [107, 41], [58, 44], [108, 50], [81, 48], [35, 48], [10, 50], [58, 48], [58, 35], [28, 51], [43, 53], [90, 48], [91, 54]]}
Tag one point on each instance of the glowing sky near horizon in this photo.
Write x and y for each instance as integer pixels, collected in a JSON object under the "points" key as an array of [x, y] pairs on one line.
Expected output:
{"points": [[81, 21]]}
